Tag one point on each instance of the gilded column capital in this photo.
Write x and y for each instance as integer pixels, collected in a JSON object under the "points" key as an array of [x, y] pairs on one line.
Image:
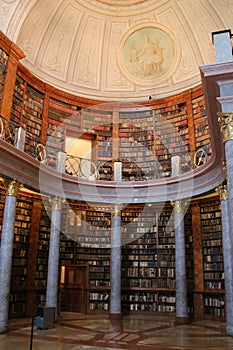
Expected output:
{"points": [[116, 208], [56, 202], [224, 166], [12, 187], [222, 191], [179, 206], [226, 125]]}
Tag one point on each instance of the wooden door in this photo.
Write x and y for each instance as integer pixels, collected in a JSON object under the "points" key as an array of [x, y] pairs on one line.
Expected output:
{"points": [[75, 288]]}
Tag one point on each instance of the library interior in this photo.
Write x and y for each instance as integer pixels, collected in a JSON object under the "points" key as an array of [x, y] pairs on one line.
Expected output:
{"points": [[116, 176]]}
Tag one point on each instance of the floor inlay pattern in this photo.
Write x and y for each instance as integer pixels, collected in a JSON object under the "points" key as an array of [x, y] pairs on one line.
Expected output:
{"points": [[90, 332]]}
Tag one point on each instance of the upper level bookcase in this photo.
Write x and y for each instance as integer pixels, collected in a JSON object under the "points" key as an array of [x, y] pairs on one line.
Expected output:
{"points": [[27, 111], [3, 64], [144, 137]]}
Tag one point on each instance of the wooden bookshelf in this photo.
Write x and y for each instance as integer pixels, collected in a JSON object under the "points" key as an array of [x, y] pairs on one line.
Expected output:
{"points": [[172, 136], [145, 137], [17, 102], [136, 144], [43, 246], [18, 299], [27, 111], [148, 260], [213, 267], [200, 118], [148, 257], [3, 68], [144, 140]]}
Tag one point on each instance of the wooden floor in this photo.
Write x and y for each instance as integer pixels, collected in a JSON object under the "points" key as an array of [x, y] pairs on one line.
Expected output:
{"points": [[77, 331]]}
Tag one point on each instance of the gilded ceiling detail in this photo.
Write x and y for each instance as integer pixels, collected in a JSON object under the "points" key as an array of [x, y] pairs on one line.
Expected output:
{"points": [[116, 49]]}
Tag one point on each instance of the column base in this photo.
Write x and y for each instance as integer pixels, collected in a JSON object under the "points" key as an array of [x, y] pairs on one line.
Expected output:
{"points": [[182, 320], [115, 316], [3, 328], [229, 330], [116, 322]]}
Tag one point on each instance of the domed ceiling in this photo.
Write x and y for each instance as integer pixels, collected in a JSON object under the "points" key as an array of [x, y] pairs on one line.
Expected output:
{"points": [[114, 50]]}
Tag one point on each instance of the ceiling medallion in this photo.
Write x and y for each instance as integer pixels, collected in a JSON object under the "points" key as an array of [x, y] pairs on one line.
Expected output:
{"points": [[122, 2], [121, 7], [148, 54]]}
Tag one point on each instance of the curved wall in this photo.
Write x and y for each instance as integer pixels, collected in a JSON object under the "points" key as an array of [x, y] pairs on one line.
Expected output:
{"points": [[146, 136]]}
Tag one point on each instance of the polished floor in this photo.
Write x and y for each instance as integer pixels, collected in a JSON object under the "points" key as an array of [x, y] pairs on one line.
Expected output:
{"points": [[77, 331]]}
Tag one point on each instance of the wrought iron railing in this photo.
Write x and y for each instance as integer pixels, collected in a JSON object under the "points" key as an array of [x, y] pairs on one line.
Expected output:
{"points": [[87, 168], [81, 167]]}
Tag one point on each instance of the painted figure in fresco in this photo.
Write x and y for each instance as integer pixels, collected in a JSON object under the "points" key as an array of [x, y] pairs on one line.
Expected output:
{"points": [[150, 58]]}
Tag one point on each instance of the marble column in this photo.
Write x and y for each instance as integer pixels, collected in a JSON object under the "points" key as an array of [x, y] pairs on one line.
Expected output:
{"points": [[225, 120], [222, 43], [115, 300], [181, 288], [227, 241], [6, 250], [20, 135], [54, 243], [181, 284], [53, 262], [226, 125]]}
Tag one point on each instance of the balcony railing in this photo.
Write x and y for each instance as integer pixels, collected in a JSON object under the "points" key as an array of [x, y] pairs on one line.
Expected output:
{"points": [[87, 168]]}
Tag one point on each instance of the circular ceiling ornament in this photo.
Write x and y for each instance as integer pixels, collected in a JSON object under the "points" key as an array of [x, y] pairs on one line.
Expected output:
{"points": [[122, 2], [121, 7], [148, 54]]}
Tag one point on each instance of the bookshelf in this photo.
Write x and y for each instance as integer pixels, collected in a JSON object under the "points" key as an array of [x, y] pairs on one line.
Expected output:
{"points": [[201, 125], [98, 117], [144, 137], [99, 277], [85, 240], [17, 304], [27, 111], [19, 271], [43, 247], [166, 249], [94, 250], [3, 68], [32, 116], [153, 132], [189, 251], [98, 228], [21, 240], [104, 133], [172, 137], [212, 250], [148, 256], [148, 262], [136, 144], [73, 222], [99, 120], [17, 101], [65, 113], [214, 305], [67, 250]]}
